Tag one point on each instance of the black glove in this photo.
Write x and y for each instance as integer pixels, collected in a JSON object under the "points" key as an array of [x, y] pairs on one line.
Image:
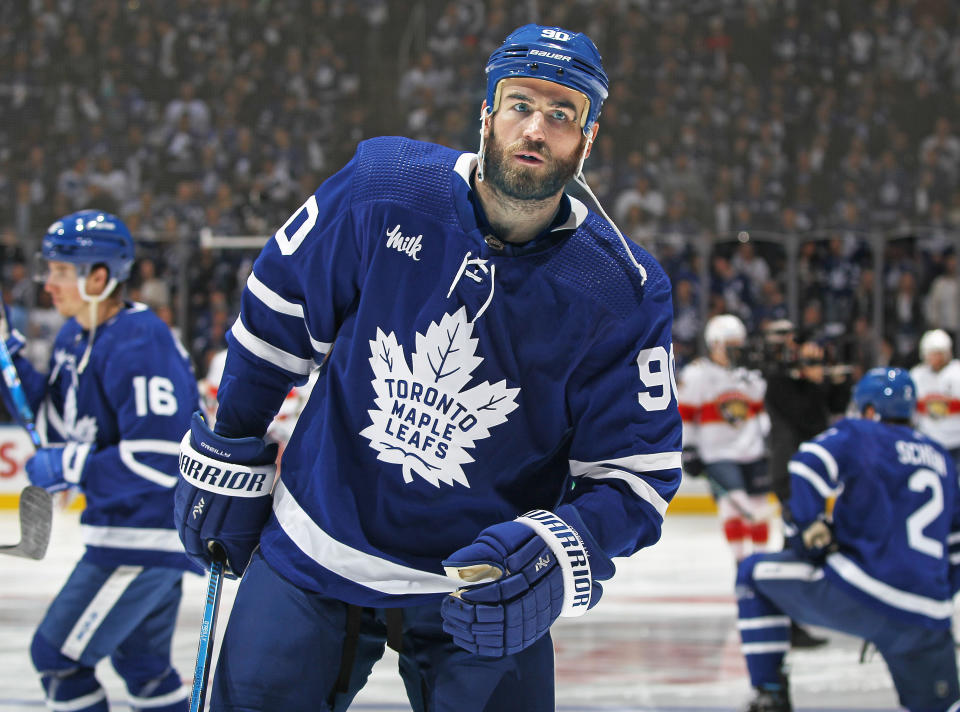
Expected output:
{"points": [[691, 463]]}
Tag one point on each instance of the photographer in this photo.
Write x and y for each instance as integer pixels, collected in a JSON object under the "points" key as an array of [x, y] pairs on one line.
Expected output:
{"points": [[803, 394]]}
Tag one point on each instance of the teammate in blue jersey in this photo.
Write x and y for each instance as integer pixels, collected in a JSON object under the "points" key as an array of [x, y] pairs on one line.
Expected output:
{"points": [[112, 409], [495, 418], [883, 567]]}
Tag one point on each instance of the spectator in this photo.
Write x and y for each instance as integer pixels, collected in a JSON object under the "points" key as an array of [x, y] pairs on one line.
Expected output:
{"points": [[942, 304]]}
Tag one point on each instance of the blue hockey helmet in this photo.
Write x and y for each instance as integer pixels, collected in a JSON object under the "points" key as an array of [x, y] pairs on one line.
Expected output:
{"points": [[891, 392], [91, 237], [555, 55]]}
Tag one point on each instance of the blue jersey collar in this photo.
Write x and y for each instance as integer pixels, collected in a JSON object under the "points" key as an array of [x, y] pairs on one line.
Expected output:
{"points": [[569, 217]]}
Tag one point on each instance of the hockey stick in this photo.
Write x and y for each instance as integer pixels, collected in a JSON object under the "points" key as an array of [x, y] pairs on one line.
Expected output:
{"points": [[207, 630], [14, 386], [36, 517], [36, 504]]}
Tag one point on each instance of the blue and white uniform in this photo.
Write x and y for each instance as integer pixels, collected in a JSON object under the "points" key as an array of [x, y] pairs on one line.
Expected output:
{"points": [[120, 420], [464, 382], [891, 579]]}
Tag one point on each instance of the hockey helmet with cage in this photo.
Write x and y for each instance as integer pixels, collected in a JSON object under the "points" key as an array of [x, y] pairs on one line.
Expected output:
{"points": [[91, 237], [891, 392], [723, 329], [553, 54], [936, 340]]}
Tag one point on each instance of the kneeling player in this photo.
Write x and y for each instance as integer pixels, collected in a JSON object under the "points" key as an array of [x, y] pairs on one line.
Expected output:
{"points": [[881, 568]]}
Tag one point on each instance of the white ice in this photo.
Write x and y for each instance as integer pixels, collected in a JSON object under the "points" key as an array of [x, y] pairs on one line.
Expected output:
{"points": [[662, 638]]}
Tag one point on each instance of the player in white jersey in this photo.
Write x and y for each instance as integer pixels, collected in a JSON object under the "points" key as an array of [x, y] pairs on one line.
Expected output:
{"points": [[111, 409], [938, 390], [486, 343], [724, 423]]}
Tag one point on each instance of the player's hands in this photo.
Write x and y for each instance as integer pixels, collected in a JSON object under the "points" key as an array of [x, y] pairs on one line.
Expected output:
{"points": [[690, 462], [223, 495], [817, 540], [46, 469], [520, 586]]}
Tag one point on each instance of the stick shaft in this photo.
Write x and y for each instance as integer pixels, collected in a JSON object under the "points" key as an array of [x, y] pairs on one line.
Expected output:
{"points": [[207, 631], [14, 386]]}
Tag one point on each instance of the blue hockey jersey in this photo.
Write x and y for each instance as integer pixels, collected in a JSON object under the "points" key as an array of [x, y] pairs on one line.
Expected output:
{"points": [[122, 420], [463, 382], [896, 516]]}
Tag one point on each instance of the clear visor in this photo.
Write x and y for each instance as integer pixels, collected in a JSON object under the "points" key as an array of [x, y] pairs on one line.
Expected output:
{"points": [[57, 273]]}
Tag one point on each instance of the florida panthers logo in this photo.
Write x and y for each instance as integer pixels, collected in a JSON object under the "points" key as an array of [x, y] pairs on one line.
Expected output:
{"points": [[425, 418], [734, 408], [937, 407]]}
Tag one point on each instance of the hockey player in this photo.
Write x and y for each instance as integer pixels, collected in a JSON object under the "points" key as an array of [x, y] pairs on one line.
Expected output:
{"points": [[883, 567], [724, 424], [493, 341], [938, 390], [112, 409]]}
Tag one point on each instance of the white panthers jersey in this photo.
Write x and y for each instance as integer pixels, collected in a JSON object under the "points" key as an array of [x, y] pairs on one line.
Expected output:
{"points": [[938, 402], [722, 410]]}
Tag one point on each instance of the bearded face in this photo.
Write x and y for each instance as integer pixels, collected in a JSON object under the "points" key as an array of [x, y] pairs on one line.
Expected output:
{"points": [[521, 182]]}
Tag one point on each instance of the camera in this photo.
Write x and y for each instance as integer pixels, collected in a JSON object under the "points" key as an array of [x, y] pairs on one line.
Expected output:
{"points": [[780, 349]]}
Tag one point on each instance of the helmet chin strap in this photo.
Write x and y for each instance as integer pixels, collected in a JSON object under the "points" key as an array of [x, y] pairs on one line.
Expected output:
{"points": [[482, 151], [93, 300], [580, 180]]}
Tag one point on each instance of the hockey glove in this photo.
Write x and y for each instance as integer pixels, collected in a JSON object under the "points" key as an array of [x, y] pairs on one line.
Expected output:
{"points": [[223, 495], [691, 463], [526, 573], [815, 541], [58, 467]]}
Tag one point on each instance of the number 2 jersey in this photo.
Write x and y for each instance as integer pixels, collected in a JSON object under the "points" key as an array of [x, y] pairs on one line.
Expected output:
{"points": [[121, 420], [464, 382], [896, 515]]}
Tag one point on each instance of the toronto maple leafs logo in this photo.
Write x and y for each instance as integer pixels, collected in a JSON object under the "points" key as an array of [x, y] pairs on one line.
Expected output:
{"points": [[72, 425], [425, 418]]}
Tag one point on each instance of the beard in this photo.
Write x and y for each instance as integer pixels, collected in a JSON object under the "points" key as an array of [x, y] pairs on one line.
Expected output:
{"points": [[527, 183]]}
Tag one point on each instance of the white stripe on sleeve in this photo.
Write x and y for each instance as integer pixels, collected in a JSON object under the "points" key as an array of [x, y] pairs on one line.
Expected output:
{"points": [[271, 354], [129, 449], [275, 302], [608, 469], [825, 456], [807, 473]]}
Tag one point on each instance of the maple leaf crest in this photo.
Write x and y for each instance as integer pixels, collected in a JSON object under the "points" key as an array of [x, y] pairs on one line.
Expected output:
{"points": [[425, 418]]}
